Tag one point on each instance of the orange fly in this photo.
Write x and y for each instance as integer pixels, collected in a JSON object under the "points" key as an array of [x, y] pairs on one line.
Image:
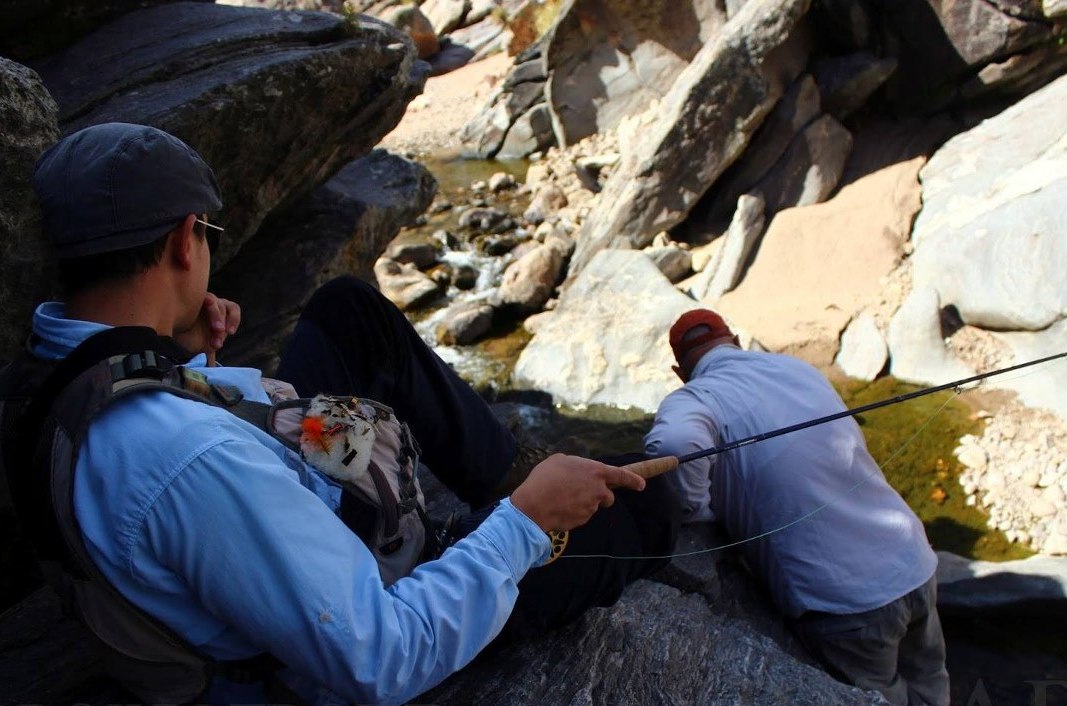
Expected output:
{"points": [[315, 430]]}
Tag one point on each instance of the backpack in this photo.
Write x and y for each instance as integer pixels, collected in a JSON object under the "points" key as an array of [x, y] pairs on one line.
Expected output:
{"points": [[45, 412]]}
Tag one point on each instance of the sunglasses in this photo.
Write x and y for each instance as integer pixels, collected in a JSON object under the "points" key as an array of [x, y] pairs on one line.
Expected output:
{"points": [[213, 234]]}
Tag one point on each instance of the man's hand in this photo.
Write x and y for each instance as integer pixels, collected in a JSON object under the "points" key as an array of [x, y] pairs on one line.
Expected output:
{"points": [[563, 492], [218, 319]]}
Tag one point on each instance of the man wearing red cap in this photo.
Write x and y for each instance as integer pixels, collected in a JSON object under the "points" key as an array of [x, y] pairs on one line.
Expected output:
{"points": [[842, 555]]}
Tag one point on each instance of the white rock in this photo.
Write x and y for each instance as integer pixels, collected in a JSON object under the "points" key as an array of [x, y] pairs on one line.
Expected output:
{"points": [[1030, 478], [1053, 494], [972, 456], [917, 351], [1042, 508], [607, 340], [863, 351]]}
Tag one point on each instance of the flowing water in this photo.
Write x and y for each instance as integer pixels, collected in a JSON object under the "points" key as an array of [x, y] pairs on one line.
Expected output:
{"points": [[486, 365]]}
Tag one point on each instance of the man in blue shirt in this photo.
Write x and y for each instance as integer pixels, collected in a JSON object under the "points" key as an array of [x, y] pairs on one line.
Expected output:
{"points": [[844, 558], [225, 535]]}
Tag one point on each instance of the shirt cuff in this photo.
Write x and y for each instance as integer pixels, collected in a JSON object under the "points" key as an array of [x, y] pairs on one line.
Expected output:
{"points": [[530, 546]]}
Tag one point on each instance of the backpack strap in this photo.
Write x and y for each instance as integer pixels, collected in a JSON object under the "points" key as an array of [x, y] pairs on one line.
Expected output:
{"points": [[43, 425]]}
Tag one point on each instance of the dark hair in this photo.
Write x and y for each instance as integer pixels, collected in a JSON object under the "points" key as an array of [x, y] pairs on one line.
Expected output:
{"points": [[78, 274]]}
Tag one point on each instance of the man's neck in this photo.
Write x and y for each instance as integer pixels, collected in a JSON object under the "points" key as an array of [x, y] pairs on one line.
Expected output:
{"points": [[132, 302]]}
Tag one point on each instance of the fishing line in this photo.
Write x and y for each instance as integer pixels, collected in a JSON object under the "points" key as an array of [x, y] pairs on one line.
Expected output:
{"points": [[864, 478]]}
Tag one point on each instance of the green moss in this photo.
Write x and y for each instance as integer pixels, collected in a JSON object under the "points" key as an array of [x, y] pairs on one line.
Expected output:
{"points": [[924, 471]]}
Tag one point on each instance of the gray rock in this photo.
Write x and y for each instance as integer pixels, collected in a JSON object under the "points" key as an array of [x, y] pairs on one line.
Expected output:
{"points": [[27, 127], [525, 96], [1036, 586], [480, 9], [917, 351], [991, 236], [498, 244], [449, 57], [548, 200], [845, 83], [810, 169], [725, 270], [482, 136], [609, 59], [606, 342], [863, 352], [487, 36], [800, 105], [656, 645], [445, 15], [482, 220], [465, 277], [404, 285], [463, 323], [33, 28], [530, 281], [981, 31], [338, 229], [529, 71], [958, 50], [274, 101], [704, 123], [413, 247], [501, 181], [532, 131], [675, 264]]}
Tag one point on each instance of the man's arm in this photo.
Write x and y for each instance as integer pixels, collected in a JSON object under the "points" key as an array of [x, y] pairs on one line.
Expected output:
{"points": [[683, 425], [266, 557]]}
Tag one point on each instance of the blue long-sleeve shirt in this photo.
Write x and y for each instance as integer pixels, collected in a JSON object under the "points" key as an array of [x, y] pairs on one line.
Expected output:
{"points": [[225, 535], [838, 538]]}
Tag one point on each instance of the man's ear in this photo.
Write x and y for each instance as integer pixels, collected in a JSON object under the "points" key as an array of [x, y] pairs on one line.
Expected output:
{"points": [[680, 373], [182, 241]]}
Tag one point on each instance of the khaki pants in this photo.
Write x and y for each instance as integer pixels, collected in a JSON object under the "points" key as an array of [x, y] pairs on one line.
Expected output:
{"points": [[897, 649]]}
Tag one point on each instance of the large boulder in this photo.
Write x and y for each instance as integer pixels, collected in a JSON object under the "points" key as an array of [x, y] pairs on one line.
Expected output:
{"points": [[34, 28], [606, 342], [27, 127], [818, 266], [703, 124], [658, 644], [274, 101], [959, 50], [607, 59], [340, 228], [992, 237]]}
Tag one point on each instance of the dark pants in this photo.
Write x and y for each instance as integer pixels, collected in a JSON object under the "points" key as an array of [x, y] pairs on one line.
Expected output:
{"points": [[351, 340], [897, 649]]}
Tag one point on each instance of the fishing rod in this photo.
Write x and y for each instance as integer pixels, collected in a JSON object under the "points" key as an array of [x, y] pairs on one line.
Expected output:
{"points": [[859, 410]]}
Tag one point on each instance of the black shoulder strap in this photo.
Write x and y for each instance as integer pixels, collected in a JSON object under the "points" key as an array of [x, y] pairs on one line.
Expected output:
{"points": [[23, 428]]}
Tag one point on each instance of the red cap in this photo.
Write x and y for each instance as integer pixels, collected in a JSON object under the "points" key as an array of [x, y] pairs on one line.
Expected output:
{"points": [[690, 319]]}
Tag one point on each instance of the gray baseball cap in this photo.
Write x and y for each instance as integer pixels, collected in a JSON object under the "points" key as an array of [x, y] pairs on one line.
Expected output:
{"points": [[116, 186]]}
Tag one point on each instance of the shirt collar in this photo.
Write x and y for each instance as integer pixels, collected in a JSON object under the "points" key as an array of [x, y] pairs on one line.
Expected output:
{"points": [[703, 365], [55, 336]]}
